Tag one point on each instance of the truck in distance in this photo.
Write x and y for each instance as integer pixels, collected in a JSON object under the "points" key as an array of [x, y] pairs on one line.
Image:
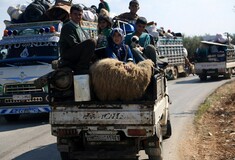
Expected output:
{"points": [[214, 59]]}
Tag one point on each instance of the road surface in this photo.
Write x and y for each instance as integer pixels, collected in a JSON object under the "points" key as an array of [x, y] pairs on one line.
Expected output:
{"points": [[30, 138]]}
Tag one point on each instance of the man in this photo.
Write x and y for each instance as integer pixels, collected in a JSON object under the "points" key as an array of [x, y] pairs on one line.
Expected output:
{"points": [[145, 49], [132, 15], [76, 46], [103, 5]]}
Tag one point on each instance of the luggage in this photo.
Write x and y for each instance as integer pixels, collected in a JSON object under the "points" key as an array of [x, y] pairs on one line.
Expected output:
{"points": [[60, 11], [36, 10]]}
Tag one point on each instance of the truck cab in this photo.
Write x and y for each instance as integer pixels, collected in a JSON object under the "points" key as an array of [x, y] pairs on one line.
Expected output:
{"points": [[26, 53]]}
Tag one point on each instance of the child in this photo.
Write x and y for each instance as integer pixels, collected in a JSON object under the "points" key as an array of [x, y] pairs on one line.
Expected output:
{"points": [[104, 29], [116, 48]]}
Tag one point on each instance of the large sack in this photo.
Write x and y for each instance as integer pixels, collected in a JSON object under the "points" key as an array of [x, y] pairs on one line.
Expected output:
{"points": [[36, 10], [60, 11], [113, 80], [89, 16]]}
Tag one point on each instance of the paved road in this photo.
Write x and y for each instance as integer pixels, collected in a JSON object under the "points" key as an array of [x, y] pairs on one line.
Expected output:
{"points": [[30, 138]]}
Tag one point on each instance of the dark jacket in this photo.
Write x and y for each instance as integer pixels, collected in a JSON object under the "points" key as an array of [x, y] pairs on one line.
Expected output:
{"points": [[70, 36], [104, 5]]}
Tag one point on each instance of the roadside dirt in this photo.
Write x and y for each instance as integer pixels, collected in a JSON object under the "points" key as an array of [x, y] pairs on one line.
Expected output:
{"points": [[213, 135]]}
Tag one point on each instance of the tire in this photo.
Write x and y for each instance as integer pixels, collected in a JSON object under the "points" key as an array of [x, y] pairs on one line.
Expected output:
{"points": [[229, 74], [184, 74], [155, 158], [64, 156], [215, 77], [175, 73], [12, 117], [155, 153], [168, 130], [203, 77]]}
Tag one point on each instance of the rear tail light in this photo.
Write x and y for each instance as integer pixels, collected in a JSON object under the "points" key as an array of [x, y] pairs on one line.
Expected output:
{"points": [[66, 132], [136, 132]]}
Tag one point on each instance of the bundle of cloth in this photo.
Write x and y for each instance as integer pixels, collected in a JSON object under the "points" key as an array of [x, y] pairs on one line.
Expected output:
{"points": [[220, 38], [36, 10], [16, 11], [59, 11], [112, 79]]}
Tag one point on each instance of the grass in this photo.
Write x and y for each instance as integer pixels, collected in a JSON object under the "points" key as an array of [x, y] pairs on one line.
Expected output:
{"points": [[213, 99]]}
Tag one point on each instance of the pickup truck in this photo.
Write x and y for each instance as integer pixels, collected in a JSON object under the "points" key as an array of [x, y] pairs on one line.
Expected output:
{"points": [[95, 129]]}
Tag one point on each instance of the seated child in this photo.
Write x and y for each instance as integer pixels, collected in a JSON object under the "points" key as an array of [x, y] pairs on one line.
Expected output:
{"points": [[104, 29], [116, 47]]}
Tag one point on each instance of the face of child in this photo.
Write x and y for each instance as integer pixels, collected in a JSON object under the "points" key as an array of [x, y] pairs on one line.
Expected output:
{"points": [[117, 38], [140, 28], [102, 24]]}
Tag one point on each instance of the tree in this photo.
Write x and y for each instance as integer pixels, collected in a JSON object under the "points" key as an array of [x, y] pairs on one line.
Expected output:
{"points": [[233, 39], [191, 44]]}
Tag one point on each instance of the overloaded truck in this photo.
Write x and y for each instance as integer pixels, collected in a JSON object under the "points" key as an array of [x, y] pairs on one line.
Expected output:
{"points": [[26, 53], [173, 49], [88, 127], [214, 59]]}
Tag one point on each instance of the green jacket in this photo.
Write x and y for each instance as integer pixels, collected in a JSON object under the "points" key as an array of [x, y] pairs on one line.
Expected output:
{"points": [[104, 5]]}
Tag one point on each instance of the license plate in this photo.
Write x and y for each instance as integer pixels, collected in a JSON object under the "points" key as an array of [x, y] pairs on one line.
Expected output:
{"points": [[21, 97], [106, 138], [24, 110]]}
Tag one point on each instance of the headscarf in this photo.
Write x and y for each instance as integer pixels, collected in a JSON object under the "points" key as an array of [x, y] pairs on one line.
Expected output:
{"points": [[119, 50]]}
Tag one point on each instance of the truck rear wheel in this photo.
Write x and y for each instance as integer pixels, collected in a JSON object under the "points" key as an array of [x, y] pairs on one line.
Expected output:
{"points": [[175, 73], [12, 117], [155, 158], [154, 147], [65, 156], [168, 130], [229, 74], [203, 77], [215, 77]]}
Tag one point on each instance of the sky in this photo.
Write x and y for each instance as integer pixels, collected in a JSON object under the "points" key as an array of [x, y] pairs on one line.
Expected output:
{"points": [[190, 17]]}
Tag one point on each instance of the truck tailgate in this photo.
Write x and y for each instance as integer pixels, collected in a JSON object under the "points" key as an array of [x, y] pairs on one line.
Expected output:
{"points": [[104, 114]]}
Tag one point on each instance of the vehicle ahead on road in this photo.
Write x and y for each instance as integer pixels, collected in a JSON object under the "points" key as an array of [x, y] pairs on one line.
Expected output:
{"points": [[174, 51], [26, 53], [214, 59]]}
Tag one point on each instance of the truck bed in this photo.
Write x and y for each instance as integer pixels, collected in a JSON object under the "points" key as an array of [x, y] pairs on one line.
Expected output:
{"points": [[85, 116]]}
